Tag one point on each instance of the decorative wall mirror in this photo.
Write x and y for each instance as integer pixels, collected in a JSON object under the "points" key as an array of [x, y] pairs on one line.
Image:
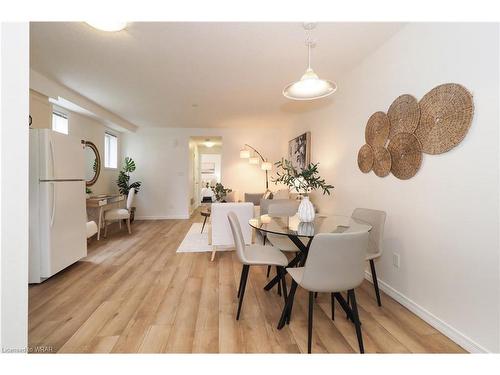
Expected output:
{"points": [[92, 163]]}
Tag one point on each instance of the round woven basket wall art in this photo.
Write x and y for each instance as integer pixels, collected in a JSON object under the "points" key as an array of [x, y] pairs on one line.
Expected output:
{"points": [[404, 115], [406, 155], [377, 129], [446, 116], [381, 161], [365, 158]]}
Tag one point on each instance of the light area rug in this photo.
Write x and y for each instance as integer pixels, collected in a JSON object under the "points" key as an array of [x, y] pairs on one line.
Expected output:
{"points": [[196, 242]]}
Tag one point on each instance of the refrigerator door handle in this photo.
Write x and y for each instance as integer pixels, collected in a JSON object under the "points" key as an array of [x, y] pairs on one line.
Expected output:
{"points": [[53, 212], [53, 162]]}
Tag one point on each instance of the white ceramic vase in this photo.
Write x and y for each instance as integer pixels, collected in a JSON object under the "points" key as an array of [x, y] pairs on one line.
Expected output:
{"points": [[305, 229], [306, 210]]}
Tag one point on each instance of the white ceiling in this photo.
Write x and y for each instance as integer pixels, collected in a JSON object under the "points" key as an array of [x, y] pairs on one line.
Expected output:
{"points": [[153, 73]]}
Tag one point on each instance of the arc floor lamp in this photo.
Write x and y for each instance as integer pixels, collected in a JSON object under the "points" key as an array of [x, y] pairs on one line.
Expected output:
{"points": [[252, 159]]}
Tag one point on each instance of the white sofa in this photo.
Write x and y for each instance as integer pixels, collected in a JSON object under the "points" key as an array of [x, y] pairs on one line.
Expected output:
{"points": [[220, 233]]}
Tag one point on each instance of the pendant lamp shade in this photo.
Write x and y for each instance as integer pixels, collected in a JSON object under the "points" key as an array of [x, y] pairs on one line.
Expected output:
{"points": [[110, 26], [309, 86]]}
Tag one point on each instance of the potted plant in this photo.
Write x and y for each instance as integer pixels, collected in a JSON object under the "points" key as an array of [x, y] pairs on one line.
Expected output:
{"points": [[124, 184], [88, 192], [303, 182], [220, 192]]}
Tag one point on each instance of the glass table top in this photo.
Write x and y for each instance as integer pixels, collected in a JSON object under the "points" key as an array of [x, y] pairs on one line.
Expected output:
{"points": [[291, 225]]}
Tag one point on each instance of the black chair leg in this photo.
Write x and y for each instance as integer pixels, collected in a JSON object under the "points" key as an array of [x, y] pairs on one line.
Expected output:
{"points": [[287, 311], [342, 302], [357, 323], [315, 294], [246, 268], [279, 282], [333, 305], [241, 280], [348, 304], [268, 271], [310, 322], [375, 281], [283, 282]]}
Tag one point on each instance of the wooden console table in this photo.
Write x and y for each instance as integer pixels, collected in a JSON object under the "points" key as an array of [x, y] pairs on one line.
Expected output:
{"points": [[101, 202]]}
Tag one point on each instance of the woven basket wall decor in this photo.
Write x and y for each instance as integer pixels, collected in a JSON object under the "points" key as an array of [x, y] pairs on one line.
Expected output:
{"points": [[404, 115], [365, 158], [406, 155], [377, 129], [446, 116], [381, 161]]}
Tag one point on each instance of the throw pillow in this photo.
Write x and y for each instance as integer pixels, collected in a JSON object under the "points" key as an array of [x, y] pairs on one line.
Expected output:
{"points": [[281, 194]]}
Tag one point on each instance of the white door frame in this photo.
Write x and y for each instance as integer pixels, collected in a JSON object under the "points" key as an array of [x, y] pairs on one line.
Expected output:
{"points": [[14, 166]]}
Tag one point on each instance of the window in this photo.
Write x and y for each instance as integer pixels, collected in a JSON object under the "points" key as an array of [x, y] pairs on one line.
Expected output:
{"points": [[110, 151], [59, 122]]}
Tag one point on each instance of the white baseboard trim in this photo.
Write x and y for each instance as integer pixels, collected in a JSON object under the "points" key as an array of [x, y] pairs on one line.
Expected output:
{"points": [[447, 330], [162, 217]]}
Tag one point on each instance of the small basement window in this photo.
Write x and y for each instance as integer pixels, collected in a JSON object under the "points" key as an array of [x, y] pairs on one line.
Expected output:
{"points": [[59, 122], [110, 151]]}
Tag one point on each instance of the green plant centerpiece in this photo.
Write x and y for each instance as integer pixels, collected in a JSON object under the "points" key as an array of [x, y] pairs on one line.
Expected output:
{"points": [[220, 192], [123, 181], [303, 182]]}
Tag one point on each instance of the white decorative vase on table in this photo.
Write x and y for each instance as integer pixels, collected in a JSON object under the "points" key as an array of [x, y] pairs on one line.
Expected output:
{"points": [[306, 210]]}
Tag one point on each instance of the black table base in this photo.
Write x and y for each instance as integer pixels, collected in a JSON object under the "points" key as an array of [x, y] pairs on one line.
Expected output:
{"points": [[299, 259]]}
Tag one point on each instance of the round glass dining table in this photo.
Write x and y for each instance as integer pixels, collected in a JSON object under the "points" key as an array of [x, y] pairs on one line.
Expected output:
{"points": [[302, 234], [292, 226]]}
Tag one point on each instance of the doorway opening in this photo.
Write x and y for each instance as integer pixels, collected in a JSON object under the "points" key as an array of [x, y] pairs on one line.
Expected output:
{"points": [[205, 168]]}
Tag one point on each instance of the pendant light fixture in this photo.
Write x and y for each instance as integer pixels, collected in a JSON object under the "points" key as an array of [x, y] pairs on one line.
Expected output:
{"points": [[310, 86], [110, 26]]}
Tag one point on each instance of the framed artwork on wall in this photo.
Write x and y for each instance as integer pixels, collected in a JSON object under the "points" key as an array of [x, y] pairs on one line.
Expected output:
{"points": [[207, 168], [299, 151]]}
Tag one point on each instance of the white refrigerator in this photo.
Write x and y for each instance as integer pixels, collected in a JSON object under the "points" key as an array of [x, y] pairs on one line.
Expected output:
{"points": [[57, 235]]}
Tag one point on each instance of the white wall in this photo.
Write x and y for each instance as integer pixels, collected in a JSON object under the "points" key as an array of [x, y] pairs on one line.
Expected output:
{"points": [[444, 221], [14, 44], [162, 158]]}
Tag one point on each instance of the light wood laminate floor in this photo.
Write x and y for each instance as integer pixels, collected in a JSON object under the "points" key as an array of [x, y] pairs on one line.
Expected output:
{"points": [[133, 293]]}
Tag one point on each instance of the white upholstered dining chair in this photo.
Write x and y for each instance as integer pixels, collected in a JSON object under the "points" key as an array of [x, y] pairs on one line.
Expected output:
{"points": [[254, 255], [220, 232], [335, 264], [281, 207], [377, 220], [119, 214]]}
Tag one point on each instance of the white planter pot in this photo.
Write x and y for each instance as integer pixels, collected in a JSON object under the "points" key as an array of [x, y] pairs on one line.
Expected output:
{"points": [[306, 210]]}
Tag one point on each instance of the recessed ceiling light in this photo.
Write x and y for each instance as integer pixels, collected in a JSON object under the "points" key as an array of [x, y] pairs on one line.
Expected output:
{"points": [[209, 143], [107, 25]]}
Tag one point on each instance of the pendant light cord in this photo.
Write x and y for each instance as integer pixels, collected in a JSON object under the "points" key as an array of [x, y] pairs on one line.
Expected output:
{"points": [[309, 55], [309, 43]]}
